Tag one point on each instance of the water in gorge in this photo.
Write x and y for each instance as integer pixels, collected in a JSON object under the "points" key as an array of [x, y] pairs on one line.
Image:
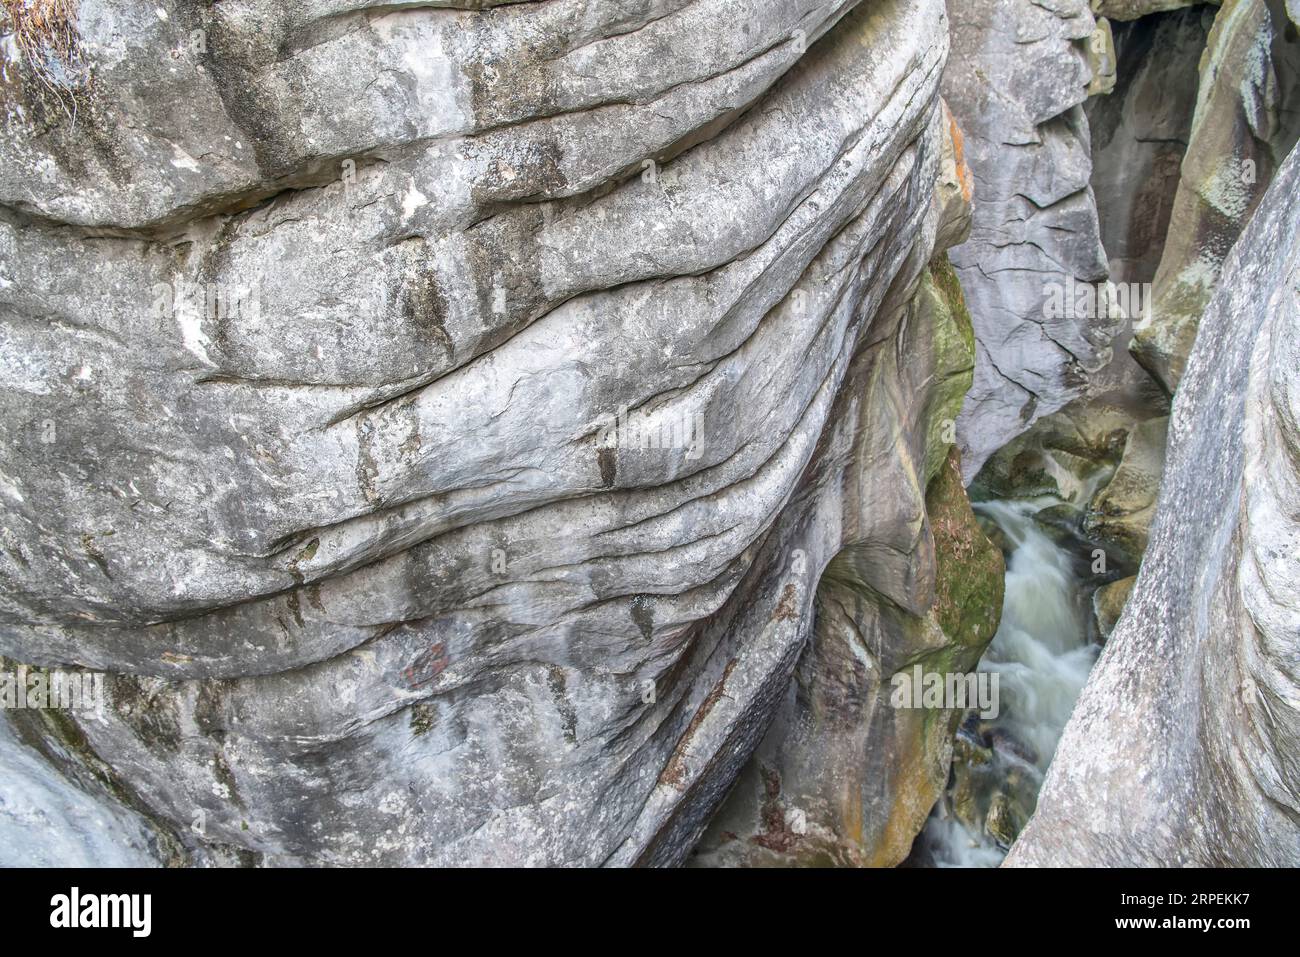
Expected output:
{"points": [[1044, 647]]}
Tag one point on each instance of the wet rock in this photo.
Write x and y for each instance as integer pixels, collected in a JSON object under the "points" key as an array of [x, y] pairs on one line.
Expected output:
{"points": [[1004, 742], [1062, 522], [993, 532], [1002, 822], [965, 795], [1062, 455], [1011, 806], [1180, 751], [1119, 515], [1101, 463], [1108, 603]]}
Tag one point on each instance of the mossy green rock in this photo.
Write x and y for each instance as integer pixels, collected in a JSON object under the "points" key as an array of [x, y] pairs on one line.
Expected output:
{"points": [[1119, 516], [970, 571], [1058, 455], [921, 584]]}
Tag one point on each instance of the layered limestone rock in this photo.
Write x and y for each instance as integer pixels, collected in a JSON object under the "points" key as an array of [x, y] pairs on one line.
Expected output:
{"points": [[436, 420], [1017, 78], [1181, 750], [46, 823], [1246, 120], [845, 777]]}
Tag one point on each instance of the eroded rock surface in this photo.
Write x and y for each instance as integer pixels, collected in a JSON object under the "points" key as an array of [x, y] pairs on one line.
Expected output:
{"points": [[1120, 514], [1181, 750], [846, 777], [1246, 121], [308, 437], [1139, 134], [1017, 78], [1108, 603]]}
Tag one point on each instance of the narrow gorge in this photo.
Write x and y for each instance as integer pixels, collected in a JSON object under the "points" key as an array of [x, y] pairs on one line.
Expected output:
{"points": [[585, 433]]}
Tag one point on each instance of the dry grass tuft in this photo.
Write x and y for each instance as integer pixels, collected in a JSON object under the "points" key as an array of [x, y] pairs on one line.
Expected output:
{"points": [[45, 32]]}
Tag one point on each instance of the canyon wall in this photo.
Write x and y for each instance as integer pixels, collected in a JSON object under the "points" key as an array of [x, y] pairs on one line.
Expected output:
{"points": [[1017, 79], [846, 777], [1181, 750], [436, 421], [517, 433], [1140, 132], [1245, 122]]}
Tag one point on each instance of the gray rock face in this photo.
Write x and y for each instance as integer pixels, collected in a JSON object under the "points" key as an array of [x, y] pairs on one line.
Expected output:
{"points": [[44, 823], [310, 374], [1139, 134], [1246, 121], [845, 776], [1181, 750], [1016, 80], [202, 108]]}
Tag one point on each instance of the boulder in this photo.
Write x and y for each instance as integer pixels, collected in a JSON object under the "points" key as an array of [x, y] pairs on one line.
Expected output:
{"points": [[1119, 515], [1108, 603], [1064, 454]]}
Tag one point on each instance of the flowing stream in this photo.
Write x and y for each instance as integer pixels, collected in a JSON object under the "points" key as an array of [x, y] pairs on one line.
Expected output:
{"points": [[1044, 647]]}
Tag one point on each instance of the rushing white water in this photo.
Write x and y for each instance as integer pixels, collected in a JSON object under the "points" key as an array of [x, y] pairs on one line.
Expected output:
{"points": [[1042, 647], [1042, 652], [47, 822]]}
